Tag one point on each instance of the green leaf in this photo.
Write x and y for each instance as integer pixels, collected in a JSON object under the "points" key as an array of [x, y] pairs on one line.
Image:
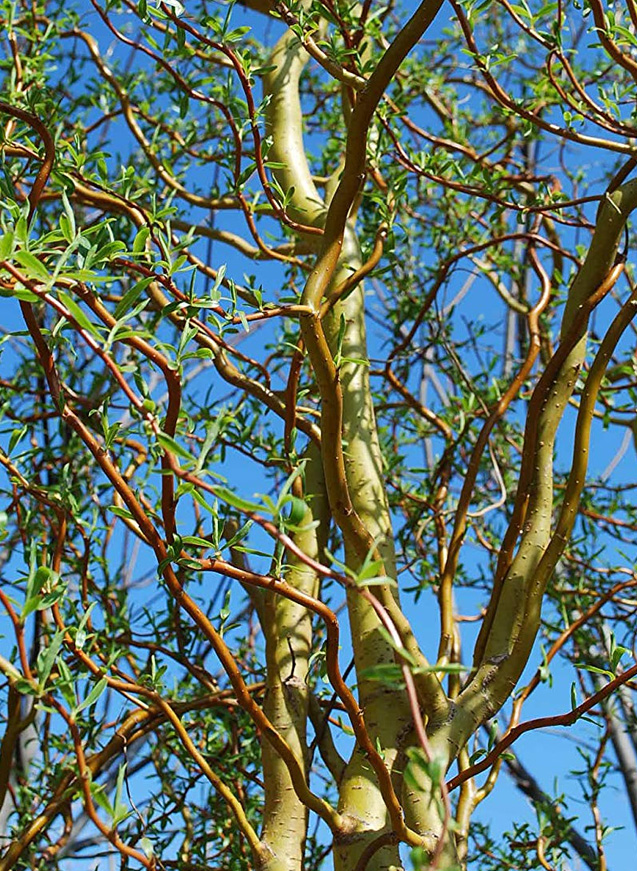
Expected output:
{"points": [[76, 313], [400, 650], [31, 604], [147, 846], [342, 325], [385, 672], [289, 481], [616, 653], [616, 656], [198, 497], [369, 570], [376, 581], [22, 228], [66, 228], [93, 696], [120, 810], [52, 598], [297, 511], [131, 296], [212, 432], [493, 734], [26, 687], [197, 542], [450, 668], [46, 657], [69, 214], [477, 755], [108, 251], [85, 619], [236, 501], [45, 577], [16, 436], [139, 243], [6, 245], [20, 292], [239, 535], [178, 7], [35, 269], [98, 793], [191, 564], [120, 512], [169, 444], [66, 684], [595, 669]]}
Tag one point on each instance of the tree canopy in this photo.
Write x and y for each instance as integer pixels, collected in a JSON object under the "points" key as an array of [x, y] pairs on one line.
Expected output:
{"points": [[317, 421]]}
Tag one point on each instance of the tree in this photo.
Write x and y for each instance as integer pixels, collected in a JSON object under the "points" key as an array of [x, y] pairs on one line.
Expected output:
{"points": [[221, 477]]}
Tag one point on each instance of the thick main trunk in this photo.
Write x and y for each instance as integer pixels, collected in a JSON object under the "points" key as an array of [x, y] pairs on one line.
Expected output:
{"points": [[288, 634], [387, 715]]}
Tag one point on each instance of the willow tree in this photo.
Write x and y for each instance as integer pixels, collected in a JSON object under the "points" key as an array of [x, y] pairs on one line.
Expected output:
{"points": [[298, 367]]}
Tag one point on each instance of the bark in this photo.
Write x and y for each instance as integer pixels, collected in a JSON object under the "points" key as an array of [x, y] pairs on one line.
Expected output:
{"points": [[386, 711], [513, 614], [351, 456], [287, 628]]}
